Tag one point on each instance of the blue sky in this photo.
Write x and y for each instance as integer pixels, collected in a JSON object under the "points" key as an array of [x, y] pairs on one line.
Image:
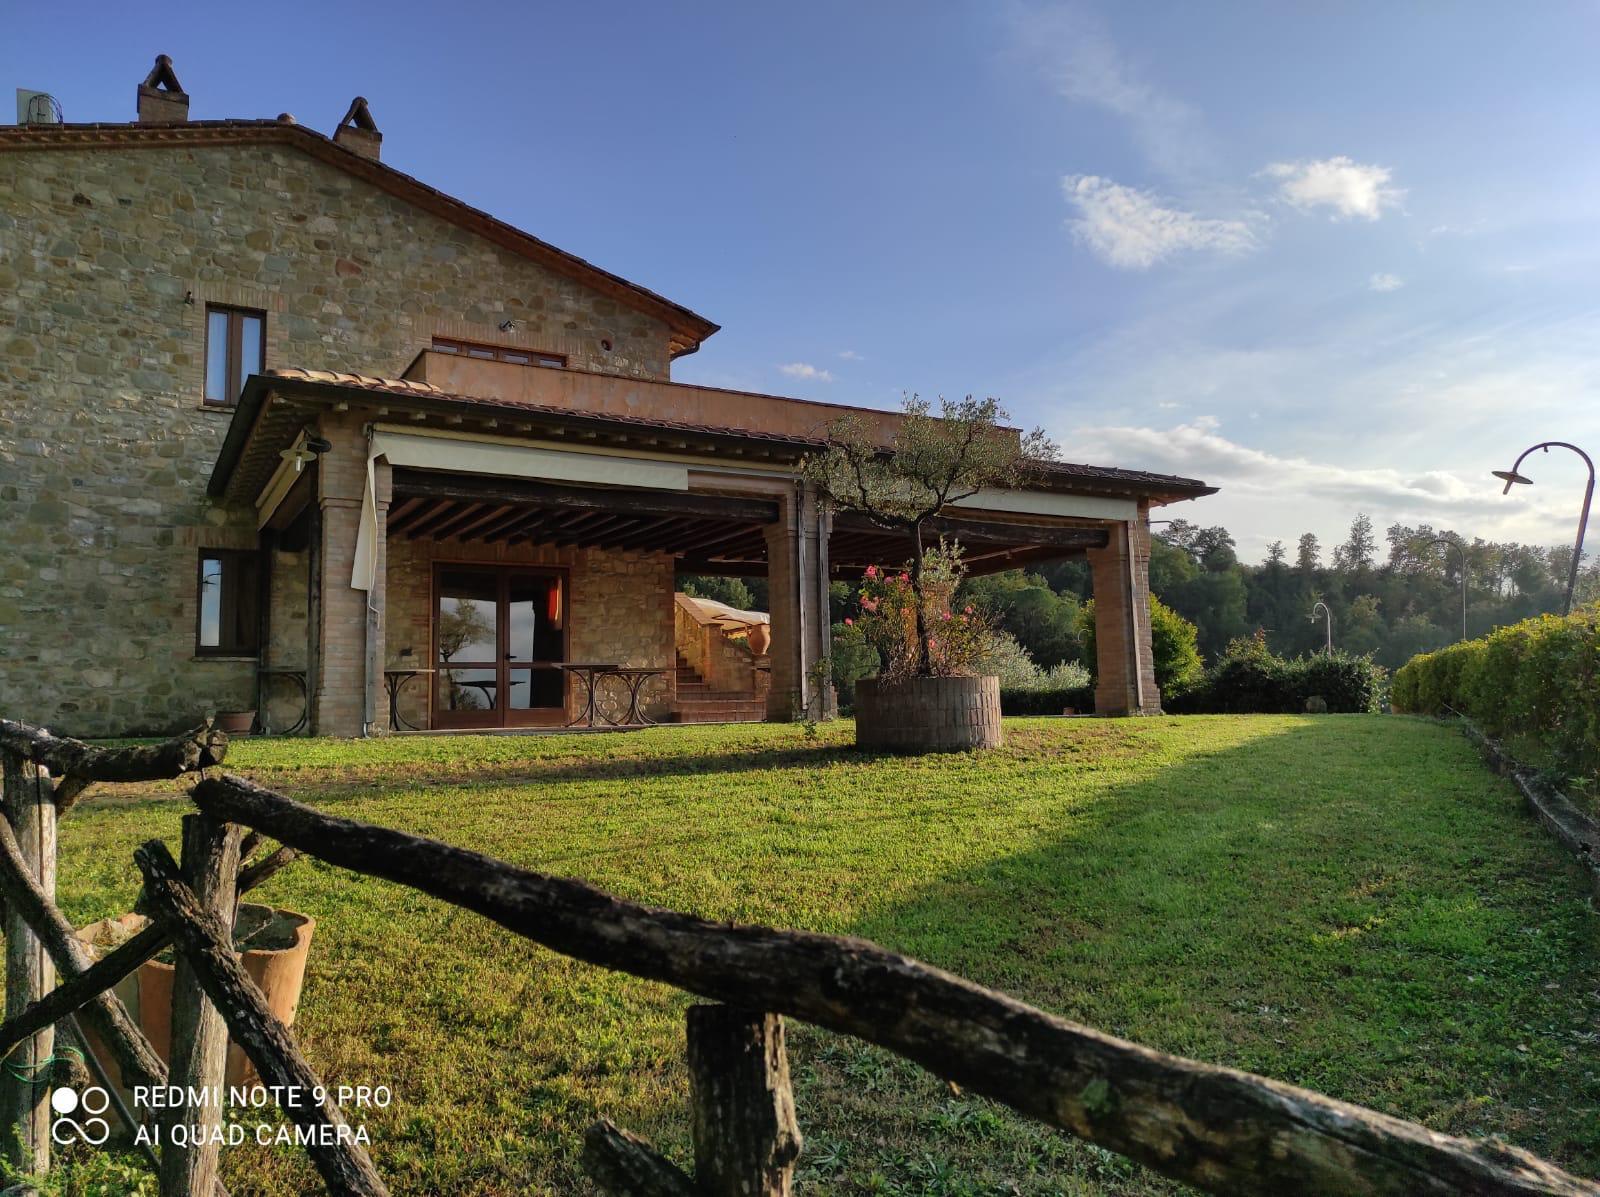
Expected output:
{"points": [[1331, 258]]}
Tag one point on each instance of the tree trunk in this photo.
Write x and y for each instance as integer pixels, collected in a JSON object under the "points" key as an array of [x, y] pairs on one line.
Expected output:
{"points": [[924, 655]]}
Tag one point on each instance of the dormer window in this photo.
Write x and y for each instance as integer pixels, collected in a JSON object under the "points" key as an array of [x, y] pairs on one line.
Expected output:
{"points": [[499, 353], [236, 348]]}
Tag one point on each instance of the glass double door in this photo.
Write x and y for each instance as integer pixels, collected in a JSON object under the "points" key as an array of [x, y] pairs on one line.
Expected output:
{"points": [[497, 635]]}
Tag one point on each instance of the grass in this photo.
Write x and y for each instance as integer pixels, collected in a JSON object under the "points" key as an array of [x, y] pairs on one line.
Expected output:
{"points": [[1349, 903]]}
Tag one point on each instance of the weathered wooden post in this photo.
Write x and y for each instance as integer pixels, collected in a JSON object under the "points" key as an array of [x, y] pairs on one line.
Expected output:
{"points": [[746, 1140], [24, 1092], [199, 1034]]}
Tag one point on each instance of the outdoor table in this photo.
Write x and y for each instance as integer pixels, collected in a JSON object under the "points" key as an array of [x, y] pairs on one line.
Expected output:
{"points": [[264, 675], [395, 680], [635, 676], [590, 672]]}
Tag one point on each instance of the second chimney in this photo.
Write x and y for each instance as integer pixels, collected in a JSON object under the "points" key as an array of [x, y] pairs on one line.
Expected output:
{"points": [[162, 100], [358, 132]]}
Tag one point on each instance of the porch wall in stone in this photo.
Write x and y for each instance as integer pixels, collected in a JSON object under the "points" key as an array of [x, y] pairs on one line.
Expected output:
{"points": [[619, 608]]}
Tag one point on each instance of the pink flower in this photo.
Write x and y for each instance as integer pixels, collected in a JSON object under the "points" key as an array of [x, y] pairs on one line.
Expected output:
{"points": [[969, 610], [872, 571], [869, 604], [947, 616], [848, 622], [905, 577]]}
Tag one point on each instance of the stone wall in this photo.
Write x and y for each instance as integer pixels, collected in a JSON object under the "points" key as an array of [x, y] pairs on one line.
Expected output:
{"points": [[105, 447], [619, 608]]}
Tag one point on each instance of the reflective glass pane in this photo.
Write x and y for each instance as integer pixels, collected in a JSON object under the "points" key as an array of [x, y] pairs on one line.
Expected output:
{"points": [[534, 688], [474, 351], [210, 602], [467, 689], [467, 624], [250, 351], [534, 618], [217, 358]]}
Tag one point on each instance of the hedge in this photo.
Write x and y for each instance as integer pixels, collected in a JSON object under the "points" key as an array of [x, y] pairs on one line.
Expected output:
{"points": [[1538, 679], [1249, 680]]}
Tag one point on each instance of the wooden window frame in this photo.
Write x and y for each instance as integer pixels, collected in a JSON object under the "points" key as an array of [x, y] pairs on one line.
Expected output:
{"points": [[516, 355], [241, 572], [234, 351]]}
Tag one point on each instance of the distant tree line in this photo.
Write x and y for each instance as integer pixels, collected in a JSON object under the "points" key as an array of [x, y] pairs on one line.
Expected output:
{"points": [[1390, 599]]}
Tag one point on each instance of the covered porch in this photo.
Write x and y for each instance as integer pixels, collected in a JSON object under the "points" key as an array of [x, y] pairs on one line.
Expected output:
{"points": [[464, 552]]}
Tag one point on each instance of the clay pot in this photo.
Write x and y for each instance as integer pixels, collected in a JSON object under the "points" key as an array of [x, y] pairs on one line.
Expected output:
{"points": [[928, 714], [759, 637], [236, 723], [147, 993]]}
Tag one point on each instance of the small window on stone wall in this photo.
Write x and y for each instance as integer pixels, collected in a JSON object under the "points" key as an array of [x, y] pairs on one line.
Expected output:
{"points": [[229, 623], [236, 348]]}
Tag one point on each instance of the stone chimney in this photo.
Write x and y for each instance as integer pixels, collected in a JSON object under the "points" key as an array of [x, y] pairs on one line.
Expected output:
{"points": [[358, 132], [162, 100]]}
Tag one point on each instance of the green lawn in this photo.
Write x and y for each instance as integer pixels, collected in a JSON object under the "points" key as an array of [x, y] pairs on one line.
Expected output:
{"points": [[1350, 903]]}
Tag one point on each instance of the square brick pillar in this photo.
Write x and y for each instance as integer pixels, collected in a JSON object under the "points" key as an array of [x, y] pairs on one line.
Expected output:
{"points": [[347, 696], [797, 585], [1125, 681]]}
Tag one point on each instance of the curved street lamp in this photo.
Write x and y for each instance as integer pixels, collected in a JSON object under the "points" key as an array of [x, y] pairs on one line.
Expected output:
{"points": [[1456, 545], [1513, 477], [1329, 614]]}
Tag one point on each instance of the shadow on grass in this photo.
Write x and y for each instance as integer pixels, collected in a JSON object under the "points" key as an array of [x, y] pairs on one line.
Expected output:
{"points": [[1345, 906]]}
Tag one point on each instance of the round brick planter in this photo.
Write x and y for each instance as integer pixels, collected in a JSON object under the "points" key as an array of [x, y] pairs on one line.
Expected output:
{"points": [[928, 714]]}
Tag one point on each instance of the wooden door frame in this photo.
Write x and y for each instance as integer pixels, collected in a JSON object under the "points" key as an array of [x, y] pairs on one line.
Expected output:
{"points": [[502, 715]]}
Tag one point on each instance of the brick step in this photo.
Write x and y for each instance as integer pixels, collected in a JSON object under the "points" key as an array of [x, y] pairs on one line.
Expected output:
{"points": [[700, 691], [722, 712]]}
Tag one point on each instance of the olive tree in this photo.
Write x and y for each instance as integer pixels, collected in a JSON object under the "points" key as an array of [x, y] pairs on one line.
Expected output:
{"points": [[934, 461]]}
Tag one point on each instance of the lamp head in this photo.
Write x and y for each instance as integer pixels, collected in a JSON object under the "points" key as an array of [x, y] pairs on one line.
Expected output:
{"points": [[1511, 477]]}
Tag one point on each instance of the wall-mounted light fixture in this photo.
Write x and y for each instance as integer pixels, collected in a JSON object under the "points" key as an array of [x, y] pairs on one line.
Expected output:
{"points": [[507, 325], [188, 298], [305, 450]]}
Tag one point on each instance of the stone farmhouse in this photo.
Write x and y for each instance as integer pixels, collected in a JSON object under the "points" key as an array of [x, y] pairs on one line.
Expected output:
{"points": [[282, 427]]}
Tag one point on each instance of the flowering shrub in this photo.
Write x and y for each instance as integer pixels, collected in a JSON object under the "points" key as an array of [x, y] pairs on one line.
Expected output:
{"points": [[958, 641]]}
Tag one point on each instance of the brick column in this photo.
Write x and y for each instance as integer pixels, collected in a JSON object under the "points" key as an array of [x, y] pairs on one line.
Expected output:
{"points": [[339, 694], [795, 554], [1125, 682]]}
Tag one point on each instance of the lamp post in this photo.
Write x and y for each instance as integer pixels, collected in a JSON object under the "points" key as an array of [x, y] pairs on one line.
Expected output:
{"points": [[1445, 540], [1514, 476], [1329, 614]]}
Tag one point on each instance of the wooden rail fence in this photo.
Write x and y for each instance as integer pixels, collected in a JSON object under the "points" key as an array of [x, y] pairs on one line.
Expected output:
{"points": [[1219, 1129]]}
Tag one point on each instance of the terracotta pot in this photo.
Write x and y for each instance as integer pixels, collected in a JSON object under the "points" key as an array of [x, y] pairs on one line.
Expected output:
{"points": [[236, 723], [280, 972], [759, 638], [928, 714]]}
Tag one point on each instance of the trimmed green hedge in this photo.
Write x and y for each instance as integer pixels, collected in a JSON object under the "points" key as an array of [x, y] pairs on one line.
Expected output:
{"points": [[1250, 680], [1539, 678], [1047, 702]]}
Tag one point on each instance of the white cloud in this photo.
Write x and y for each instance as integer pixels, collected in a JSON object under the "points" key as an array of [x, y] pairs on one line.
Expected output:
{"points": [[850, 355], [1386, 282], [1131, 229], [1350, 188], [1072, 48], [806, 371], [1301, 493]]}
